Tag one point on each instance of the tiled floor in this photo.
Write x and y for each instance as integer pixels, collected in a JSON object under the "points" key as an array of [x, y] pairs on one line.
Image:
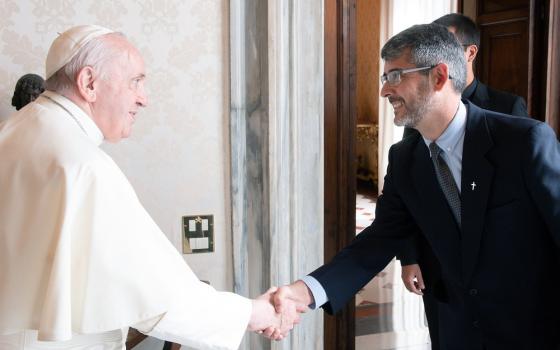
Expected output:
{"points": [[365, 211], [374, 317], [370, 343]]}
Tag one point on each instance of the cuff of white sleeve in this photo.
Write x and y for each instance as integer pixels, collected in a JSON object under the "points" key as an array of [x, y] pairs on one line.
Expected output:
{"points": [[319, 294]]}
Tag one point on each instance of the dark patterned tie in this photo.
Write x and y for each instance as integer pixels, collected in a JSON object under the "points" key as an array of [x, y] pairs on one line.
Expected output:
{"points": [[446, 182]]}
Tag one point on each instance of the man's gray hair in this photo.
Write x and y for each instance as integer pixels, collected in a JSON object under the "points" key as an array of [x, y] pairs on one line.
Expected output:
{"points": [[428, 45], [96, 54]]}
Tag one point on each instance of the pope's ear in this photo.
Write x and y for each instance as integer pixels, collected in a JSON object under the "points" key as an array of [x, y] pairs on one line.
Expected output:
{"points": [[87, 84]]}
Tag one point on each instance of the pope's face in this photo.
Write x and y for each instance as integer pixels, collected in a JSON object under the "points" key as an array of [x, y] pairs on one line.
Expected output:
{"points": [[121, 94]]}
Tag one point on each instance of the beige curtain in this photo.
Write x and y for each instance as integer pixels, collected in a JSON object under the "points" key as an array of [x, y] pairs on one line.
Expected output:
{"points": [[407, 325]]}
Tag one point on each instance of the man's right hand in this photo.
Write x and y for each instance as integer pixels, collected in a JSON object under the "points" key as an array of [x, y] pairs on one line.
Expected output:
{"points": [[285, 299], [272, 321], [296, 292], [412, 278]]}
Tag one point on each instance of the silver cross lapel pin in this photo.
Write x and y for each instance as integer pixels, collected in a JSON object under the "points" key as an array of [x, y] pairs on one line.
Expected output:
{"points": [[473, 185]]}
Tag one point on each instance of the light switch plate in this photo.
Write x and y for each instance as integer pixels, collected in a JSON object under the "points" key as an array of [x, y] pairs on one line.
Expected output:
{"points": [[198, 234]]}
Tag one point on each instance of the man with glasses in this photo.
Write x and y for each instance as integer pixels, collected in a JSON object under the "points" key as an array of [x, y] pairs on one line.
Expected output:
{"points": [[480, 187], [483, 96]]}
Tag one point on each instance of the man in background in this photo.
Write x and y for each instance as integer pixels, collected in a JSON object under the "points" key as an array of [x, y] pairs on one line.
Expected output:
{"points": [[80, 258], [480, 94]]}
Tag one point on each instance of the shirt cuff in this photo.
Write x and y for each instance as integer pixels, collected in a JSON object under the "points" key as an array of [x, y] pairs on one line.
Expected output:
{"points": [[317, 290]]}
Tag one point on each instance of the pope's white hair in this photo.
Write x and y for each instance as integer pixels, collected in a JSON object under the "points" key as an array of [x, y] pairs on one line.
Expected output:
{"points": [[96, 54]]}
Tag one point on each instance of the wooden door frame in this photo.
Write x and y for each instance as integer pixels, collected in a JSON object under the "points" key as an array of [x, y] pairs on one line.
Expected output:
{"points": [[539, 34], [553, 72], [340, 163]]}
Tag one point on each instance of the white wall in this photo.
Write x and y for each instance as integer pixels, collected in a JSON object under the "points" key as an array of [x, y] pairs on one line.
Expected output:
{"points": [[177, 158]]}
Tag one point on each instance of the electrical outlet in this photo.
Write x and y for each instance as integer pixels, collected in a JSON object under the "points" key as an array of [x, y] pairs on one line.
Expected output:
{"points": [[198, 234]]}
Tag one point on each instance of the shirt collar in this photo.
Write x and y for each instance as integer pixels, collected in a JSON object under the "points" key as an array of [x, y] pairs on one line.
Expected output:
{"points": [[469, 90], [450, 138], [83, 120]]}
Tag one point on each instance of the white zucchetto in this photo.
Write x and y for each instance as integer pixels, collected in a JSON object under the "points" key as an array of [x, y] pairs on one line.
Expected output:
{"points": [[67, 45]]}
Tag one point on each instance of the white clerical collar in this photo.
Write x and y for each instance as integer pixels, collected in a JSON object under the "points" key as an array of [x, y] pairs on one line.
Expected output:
{"points": [[81, 118], [454, 131]]}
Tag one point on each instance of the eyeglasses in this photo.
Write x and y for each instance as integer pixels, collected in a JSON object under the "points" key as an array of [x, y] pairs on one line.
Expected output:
{"points": [[394, 76]]}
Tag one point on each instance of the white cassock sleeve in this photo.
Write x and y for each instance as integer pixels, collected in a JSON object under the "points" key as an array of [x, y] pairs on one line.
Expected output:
{"points": [[175, 325], [149, 276]]}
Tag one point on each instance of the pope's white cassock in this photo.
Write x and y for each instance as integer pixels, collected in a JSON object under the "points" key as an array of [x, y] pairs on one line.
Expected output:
{"points": [[80, 258]]}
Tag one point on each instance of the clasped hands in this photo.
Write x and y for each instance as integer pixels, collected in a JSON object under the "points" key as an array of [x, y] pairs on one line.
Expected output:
{"points": [[277, 311]]}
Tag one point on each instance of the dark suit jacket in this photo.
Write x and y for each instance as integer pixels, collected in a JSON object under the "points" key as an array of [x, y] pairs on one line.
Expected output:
{"points": [[500, 271], [486, 97]]}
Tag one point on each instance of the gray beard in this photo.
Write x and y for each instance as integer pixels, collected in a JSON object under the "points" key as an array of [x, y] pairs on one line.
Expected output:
{"points": [[418, 110]]}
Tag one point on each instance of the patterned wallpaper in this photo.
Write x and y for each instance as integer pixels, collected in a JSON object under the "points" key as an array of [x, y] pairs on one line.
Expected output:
{"points": [[177, 157]]}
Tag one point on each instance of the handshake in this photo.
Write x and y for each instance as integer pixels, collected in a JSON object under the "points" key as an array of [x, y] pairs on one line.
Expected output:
{"points": [[277, 311]]}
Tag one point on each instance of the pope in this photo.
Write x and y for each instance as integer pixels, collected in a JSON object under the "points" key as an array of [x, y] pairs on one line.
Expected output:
{"points": [[80, 258]]}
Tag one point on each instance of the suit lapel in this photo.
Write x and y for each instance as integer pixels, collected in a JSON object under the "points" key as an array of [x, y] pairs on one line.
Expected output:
{"points": [[478, 171]]}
